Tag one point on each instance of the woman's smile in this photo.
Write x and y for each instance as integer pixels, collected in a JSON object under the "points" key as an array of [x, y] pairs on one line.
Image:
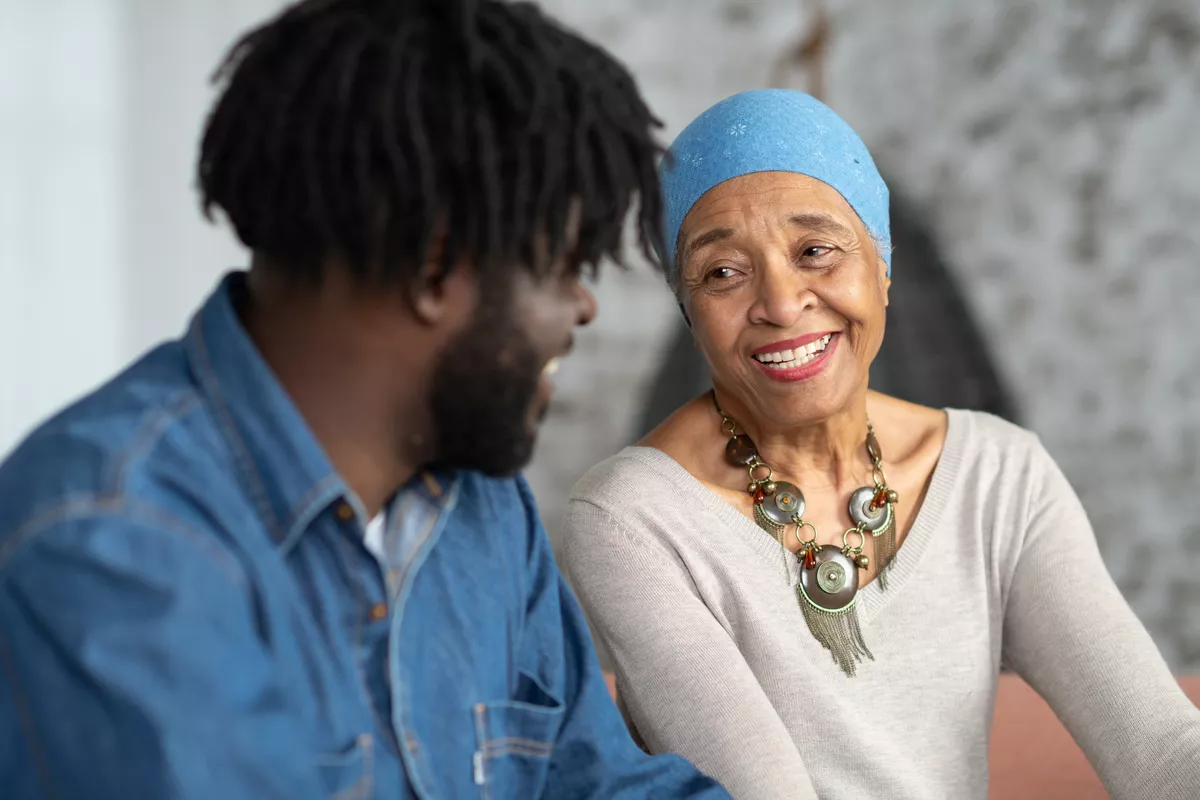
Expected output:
{"points": [[799, 362]]}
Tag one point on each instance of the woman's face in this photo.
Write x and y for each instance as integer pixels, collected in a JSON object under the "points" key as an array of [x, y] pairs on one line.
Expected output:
{"points": [[786, 294]]}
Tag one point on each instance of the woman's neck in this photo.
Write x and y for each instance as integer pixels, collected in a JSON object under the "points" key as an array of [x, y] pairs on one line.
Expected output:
{"points": [[828, 453]]}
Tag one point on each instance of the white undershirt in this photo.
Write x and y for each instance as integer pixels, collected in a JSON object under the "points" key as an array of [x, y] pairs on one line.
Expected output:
{"points": [[373, 537]]}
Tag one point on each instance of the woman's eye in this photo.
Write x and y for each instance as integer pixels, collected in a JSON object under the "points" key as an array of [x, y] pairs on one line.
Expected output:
{"points": [[815, 251], [722, 273]]}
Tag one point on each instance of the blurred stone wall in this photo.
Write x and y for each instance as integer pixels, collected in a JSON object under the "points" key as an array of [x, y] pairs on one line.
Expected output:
{"points": [[1053, 148]]}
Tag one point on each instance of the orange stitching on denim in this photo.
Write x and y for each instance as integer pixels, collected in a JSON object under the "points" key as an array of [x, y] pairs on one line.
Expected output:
{"points": [[150, 432], [80, 508]]}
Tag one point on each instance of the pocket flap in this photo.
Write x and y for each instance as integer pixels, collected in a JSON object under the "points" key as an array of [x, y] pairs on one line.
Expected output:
{"points": [[528, 724]]}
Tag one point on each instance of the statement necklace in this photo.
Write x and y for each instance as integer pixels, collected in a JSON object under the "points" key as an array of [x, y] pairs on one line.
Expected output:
{"points": [[828, 588]]}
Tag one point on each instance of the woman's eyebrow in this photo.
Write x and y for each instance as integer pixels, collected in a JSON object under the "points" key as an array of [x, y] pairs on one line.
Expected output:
{"points": [[820, 223], [705, 239]]}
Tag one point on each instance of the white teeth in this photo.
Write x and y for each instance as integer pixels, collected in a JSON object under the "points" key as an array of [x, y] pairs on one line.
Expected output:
{"points": [[792, 364], [550, 368], [790, 359]]}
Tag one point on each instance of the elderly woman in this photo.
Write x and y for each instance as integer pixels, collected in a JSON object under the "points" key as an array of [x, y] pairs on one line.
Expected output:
{"points": [[808, 588]]}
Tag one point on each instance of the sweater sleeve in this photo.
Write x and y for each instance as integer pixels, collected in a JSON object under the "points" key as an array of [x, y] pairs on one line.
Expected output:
{"points": [[685, 685], [1071, 635]]}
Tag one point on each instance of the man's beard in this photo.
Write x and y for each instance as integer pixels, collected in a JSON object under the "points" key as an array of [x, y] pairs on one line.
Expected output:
{"points": [[483, 390]]}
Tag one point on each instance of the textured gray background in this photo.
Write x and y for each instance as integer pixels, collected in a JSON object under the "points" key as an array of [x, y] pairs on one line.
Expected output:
{"points": [[1054, 148]]}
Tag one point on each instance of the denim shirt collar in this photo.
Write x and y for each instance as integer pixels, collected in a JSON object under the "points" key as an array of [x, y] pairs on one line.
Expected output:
{"points": [[284, 467]]}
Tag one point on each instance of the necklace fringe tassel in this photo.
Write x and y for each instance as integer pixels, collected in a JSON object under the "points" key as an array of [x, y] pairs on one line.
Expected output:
{"points": [[885, 550], [838, 631]]}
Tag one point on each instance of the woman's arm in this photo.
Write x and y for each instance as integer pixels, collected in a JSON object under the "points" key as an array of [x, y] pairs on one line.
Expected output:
{"points": [[687, 688], [1071, 635]]}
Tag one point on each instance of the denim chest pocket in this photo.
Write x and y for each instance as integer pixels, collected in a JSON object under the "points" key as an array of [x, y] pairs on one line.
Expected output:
{"points": [[515, 739], [347, 774]]}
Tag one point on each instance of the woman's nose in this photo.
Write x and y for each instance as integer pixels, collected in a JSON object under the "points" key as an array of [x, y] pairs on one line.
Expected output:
{"points": [[784, 295]]}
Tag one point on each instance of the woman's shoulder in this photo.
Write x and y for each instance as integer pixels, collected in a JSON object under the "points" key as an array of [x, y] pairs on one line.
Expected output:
{"points": [[624, 478], [639, 497], [993, 463], [976, 432], [986, 435]]}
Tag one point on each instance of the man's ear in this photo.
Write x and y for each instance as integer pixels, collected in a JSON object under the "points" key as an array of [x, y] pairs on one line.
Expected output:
{"points": [[439, 294]]}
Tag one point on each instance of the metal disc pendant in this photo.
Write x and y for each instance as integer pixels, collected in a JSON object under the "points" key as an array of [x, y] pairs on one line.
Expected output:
{"points": [[863, 514], [785, 505], [828, 593], [832, 584]]}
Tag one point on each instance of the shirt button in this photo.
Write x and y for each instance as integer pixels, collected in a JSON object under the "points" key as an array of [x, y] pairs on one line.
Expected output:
{"points": [[344, 512], [378, 611]]}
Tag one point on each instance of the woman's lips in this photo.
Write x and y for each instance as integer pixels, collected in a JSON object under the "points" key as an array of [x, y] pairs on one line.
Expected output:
{"points": [[801, 363]]}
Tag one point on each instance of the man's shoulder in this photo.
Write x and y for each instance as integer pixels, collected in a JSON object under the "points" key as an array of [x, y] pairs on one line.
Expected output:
{"points": [[507, 500], [136, 446], [507, 490]]}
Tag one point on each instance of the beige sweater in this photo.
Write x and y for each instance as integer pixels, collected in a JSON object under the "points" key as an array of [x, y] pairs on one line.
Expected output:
{"points": [[714, 660]]}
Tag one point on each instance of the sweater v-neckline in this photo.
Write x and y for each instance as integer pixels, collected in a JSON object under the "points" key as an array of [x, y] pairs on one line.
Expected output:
{"points": [[872, 598]]}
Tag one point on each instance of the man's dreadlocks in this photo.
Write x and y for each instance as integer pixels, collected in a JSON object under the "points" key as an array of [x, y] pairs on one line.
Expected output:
{"points": [[371, 130]]}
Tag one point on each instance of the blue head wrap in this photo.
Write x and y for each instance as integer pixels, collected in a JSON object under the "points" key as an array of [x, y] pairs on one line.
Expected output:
{"points": [[768, 130]]}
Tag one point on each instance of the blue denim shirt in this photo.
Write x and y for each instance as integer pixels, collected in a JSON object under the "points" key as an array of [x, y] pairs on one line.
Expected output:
{"points": [[188, 609]]}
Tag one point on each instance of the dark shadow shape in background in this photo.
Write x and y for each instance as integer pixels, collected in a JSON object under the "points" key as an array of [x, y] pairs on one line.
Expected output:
{"points": [[933, 350]]}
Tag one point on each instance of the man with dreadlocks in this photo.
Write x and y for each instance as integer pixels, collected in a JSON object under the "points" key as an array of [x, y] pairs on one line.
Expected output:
{"points": [[285, 556]]}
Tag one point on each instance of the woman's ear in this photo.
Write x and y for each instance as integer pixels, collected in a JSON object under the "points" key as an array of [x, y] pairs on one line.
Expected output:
{"points": [[885, 280], [683, 311]]}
